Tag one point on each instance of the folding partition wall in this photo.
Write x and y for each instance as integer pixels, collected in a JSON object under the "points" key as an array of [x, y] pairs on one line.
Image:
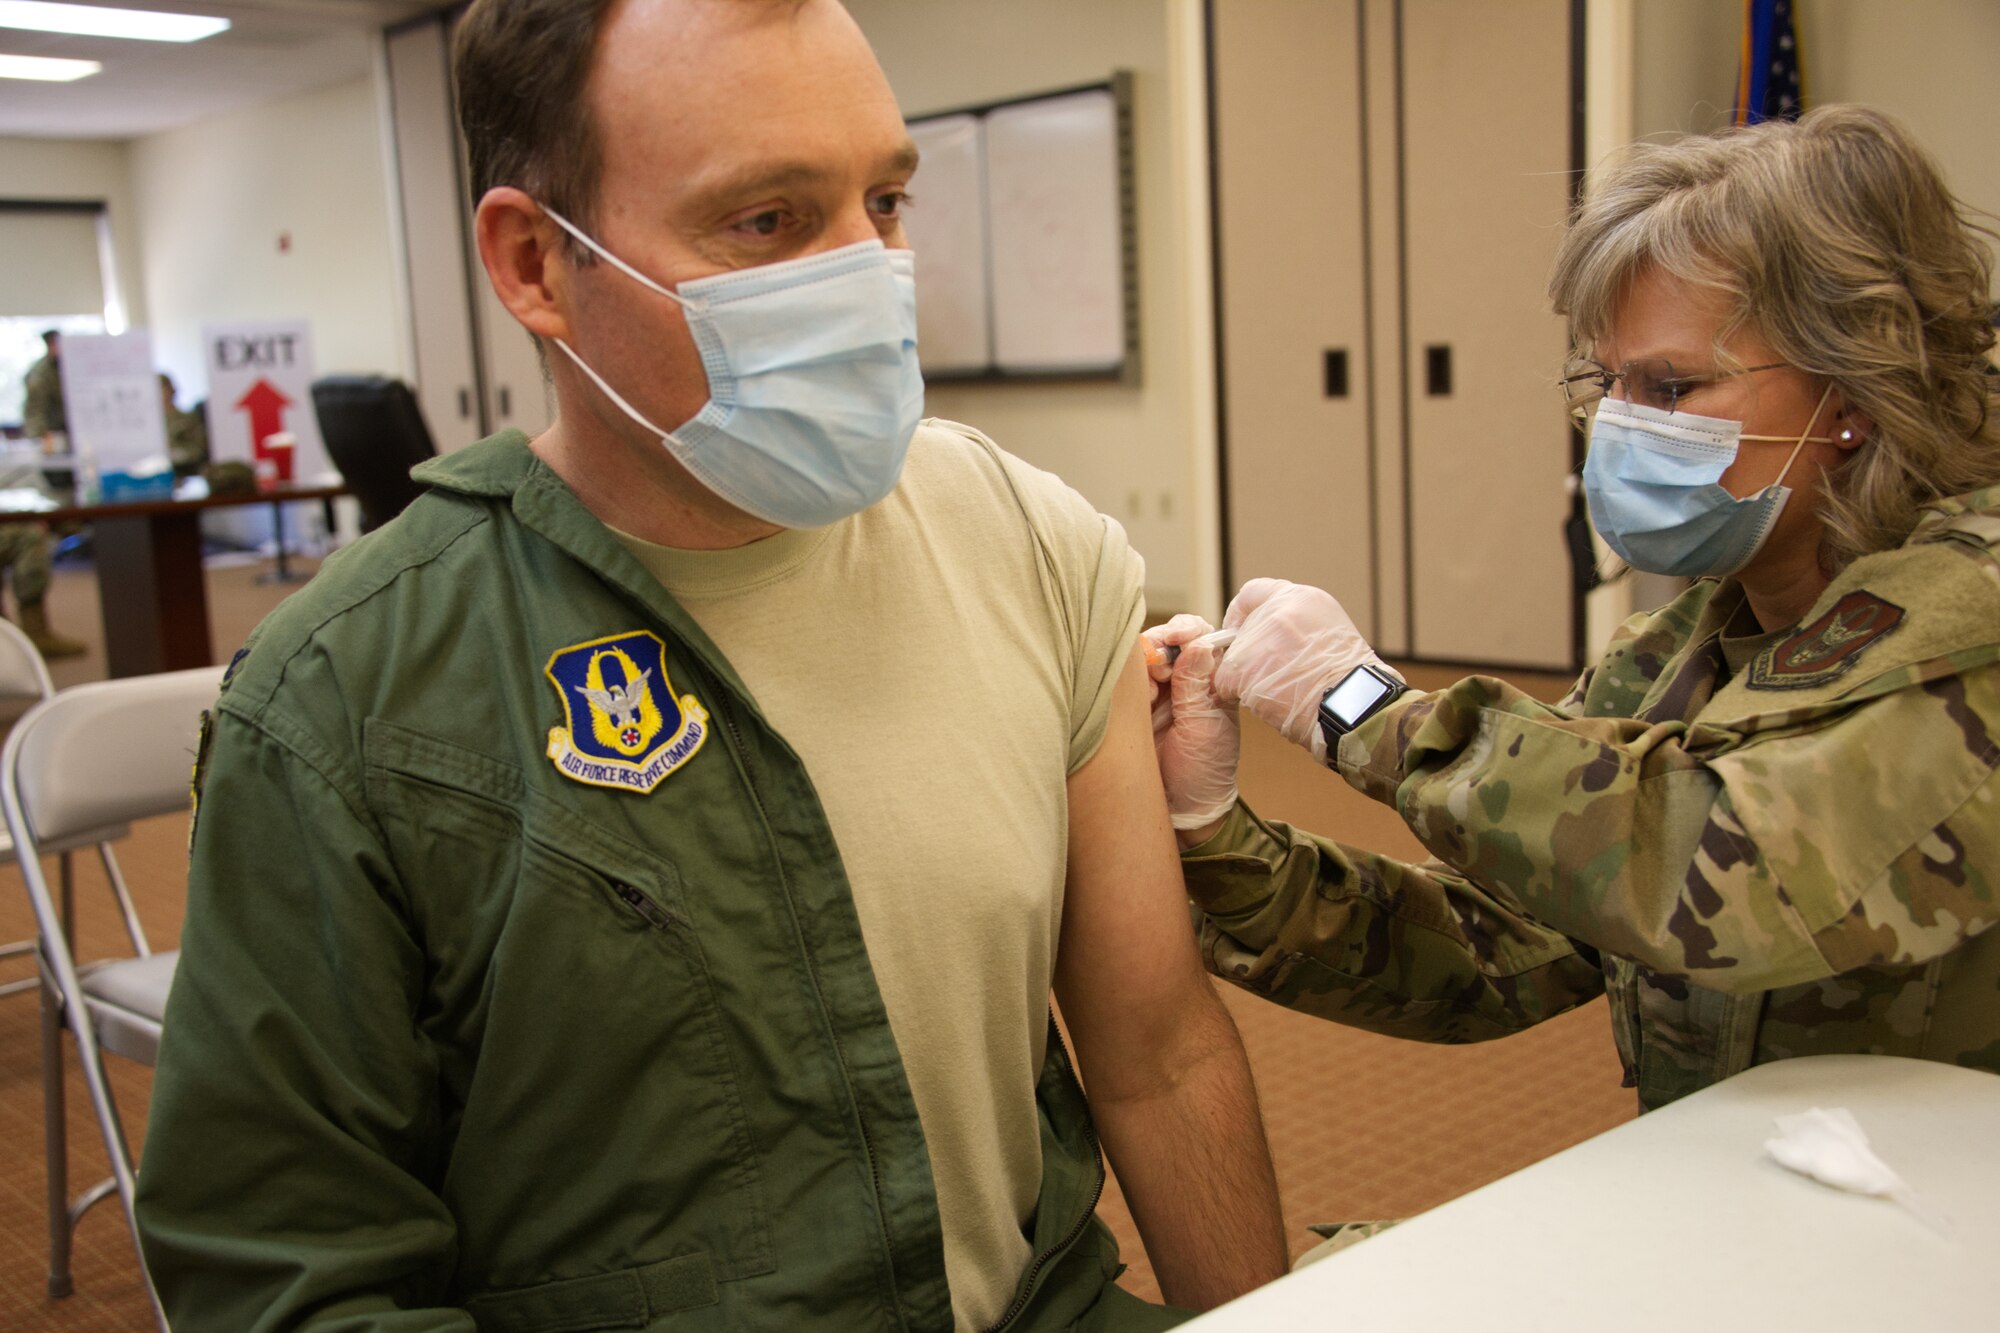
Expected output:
{"points": [[1390, 181], [477, 371]]}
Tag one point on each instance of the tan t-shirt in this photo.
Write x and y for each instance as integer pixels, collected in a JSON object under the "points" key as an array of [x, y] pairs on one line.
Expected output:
{"points": [[942, 662]]}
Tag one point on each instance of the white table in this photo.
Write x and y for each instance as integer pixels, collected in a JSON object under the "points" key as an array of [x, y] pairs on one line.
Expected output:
{"points": [[1680, 1221]]}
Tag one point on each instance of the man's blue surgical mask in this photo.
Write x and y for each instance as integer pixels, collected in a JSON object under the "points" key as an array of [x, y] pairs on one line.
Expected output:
{"points": [[1654, 482], [813, 385]]}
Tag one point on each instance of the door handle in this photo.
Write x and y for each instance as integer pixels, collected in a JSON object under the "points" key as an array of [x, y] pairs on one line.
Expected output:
{"points": [[1334, 372], [1437, 370], [465, 402], [506, 402]]}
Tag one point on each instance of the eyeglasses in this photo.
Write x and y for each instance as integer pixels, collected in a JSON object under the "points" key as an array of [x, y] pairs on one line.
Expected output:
{"points": [[1651, 381]]}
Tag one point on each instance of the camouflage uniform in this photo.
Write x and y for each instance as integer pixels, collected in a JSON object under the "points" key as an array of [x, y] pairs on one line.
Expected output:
{"points": [[24, 549], [1761, 845], [187, 441], [42, 408], [24, 546]]}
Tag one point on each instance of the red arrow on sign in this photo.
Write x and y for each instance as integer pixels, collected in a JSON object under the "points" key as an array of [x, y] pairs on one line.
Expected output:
{"points": [[266, 406]]}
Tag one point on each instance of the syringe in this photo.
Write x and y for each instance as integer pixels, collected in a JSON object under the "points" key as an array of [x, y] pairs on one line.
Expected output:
{"points": [[1168, 654]]}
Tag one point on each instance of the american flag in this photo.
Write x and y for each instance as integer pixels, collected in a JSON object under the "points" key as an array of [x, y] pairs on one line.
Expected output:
{"points": [[1770, 81]]}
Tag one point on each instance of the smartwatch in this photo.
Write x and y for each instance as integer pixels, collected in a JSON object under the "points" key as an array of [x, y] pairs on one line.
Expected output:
{"points": [[1360, 695]]}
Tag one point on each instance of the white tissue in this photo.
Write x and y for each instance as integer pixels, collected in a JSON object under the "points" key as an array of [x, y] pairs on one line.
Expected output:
{"points": [[1831, 1147]]}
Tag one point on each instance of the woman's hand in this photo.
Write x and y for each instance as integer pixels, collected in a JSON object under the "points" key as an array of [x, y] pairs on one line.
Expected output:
{"points": [[1195, 736], [1293, 644]]}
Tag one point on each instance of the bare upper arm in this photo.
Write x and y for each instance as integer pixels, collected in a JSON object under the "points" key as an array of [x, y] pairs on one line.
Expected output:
{"points": [[1126, 967]]}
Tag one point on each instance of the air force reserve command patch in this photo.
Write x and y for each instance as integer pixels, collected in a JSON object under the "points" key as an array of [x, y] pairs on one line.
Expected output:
{"points": [[1826, 648], [626, 729]]}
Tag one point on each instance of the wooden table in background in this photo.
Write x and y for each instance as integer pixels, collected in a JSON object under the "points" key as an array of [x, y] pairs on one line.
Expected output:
{"points": [[149, 576]]}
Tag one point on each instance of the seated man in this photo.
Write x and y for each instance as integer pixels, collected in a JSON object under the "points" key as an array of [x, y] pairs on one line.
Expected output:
{"points": [[627, 890]]}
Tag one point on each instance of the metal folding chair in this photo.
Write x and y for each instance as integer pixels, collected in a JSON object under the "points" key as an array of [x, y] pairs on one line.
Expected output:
{"points": [[91, 758], [24, 678]]}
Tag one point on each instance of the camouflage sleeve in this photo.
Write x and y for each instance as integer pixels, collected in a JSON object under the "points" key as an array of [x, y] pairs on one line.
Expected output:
{"points": [[1363, 939], [1745, 862]]}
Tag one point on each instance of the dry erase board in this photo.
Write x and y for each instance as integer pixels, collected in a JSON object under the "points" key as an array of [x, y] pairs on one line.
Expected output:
{"points": [[947, 226], [1023, 229]]}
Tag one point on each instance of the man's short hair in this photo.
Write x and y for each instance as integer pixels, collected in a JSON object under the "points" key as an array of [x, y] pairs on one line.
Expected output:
{"points": [[50, 335], [521, 67]]}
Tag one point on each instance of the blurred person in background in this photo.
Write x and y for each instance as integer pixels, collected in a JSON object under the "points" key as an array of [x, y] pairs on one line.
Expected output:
{"points": [[43, 416], [187, 432]]}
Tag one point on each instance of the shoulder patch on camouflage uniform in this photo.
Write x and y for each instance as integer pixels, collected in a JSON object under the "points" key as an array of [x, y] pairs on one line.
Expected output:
{"points": [[1828, 647]]}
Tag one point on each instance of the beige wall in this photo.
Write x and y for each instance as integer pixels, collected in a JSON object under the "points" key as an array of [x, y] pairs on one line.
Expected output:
{"points": [[1143, 453], [1684, 56], [1931, 63], [1934, 64], [213, 199], [83, 169]]}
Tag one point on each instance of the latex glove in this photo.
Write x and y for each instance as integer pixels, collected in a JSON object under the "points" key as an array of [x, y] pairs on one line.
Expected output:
{"points": [[1196, 737], [1293, 644]]}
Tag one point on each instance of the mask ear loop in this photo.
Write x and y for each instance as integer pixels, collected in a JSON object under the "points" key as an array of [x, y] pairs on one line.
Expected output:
{"points": [[611, 393], [610, 258], [644, 281], [1787, 469], [1807, 438]]}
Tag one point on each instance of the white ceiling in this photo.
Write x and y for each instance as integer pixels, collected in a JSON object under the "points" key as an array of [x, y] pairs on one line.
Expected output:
{"points": [[273, 49]]}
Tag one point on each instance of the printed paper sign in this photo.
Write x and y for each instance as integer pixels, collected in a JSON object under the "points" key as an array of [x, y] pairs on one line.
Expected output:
{"points": [[111, 394], [260, 378]]}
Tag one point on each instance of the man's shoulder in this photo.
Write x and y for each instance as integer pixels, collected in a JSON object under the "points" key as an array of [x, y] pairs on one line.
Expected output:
{"points": [[359, 596], [960, 471]]}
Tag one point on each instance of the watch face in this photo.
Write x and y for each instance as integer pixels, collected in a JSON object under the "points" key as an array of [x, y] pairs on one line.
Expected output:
{"points": [[1350, 701]]}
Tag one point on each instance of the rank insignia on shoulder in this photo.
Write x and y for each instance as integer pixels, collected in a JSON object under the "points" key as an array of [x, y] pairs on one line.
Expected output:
{"points": [[1826, 648], [626, 728]]}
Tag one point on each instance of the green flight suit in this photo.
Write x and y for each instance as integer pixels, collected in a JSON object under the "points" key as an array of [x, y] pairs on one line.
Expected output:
{"points": [[42, 410], [460, 1042], [1762, 845]]}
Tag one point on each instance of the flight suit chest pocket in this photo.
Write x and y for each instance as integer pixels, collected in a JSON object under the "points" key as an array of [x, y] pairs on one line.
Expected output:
{"points": [[578, 1035], [629, 1299]]}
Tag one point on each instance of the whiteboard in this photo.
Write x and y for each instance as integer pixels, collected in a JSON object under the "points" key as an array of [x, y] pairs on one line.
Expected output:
{"points": [[1021, 219], [1056, 215], [946, 224]]}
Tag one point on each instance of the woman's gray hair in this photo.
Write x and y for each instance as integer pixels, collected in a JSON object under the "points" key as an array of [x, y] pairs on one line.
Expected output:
{"points": [[1836, 242]]}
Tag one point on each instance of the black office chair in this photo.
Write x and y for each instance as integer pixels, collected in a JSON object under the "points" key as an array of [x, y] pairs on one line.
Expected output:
{"points": [[375, 433]]}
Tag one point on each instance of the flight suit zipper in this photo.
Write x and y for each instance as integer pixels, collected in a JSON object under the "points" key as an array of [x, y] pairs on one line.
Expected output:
{"points": [[656, 916], [722, 707]]}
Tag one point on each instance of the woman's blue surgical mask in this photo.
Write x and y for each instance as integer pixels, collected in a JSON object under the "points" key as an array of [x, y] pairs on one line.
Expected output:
{"points": [[813, 385], [1653, 479]]}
